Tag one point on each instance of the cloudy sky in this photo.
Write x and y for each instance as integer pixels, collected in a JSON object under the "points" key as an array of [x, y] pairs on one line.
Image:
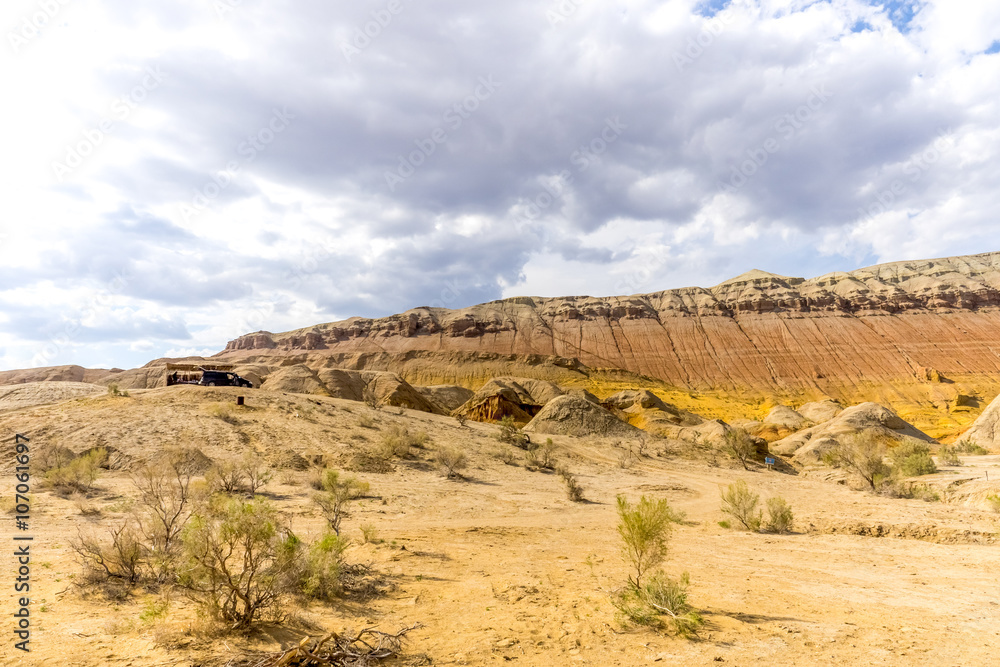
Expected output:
{"points": [[177, 174]]}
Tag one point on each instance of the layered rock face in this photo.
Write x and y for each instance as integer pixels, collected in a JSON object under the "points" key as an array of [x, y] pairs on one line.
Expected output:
{"points": [[758, 331]]}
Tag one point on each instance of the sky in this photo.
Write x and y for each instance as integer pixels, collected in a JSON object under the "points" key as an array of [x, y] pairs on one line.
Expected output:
{"points": [[177, 174]]}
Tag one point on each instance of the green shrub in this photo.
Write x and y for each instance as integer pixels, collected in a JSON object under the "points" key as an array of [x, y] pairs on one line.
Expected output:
{"points": [[660, 601], [239, 561], [337, 493], [863, 455], [912, 459], [644, 529], [397, 441], [740, 445], [970, 448], [320, 567], [994, 500], [739, 502]]}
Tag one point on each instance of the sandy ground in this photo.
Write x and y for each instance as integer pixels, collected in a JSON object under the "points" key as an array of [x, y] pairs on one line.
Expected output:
{"points": [[501, 568]]}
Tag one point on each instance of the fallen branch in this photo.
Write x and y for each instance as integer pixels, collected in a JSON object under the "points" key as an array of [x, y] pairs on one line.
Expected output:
{"points": [[367, 647]]}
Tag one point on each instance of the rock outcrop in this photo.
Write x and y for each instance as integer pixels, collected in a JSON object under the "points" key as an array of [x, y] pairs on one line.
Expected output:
{"points": [[520, 398], [573, 414], [821, 411], [809, 445], [985, 431]]}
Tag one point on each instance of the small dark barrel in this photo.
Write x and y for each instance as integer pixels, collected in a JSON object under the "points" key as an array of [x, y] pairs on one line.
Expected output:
{"points": [[239, 400]]}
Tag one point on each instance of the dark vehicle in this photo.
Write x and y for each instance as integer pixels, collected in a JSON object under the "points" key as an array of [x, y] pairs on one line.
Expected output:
{"points": [[223, 379]]}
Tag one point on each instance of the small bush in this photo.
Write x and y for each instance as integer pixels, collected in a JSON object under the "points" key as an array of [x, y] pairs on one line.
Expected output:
{"points": [[509, 432], [239, 561], [863, 455], [397, 441], [542, 457], [79, 474], [320, 567], [740, 445], [369, 534], [370, 399], [256, 471], [912, 459], [121, 556], [573, 489], [948, 456], [660, 601], [779, 515], [365, 421], [739, 502], [506, 456], [226, 476], [452, 460], [337, 494], [461, 419], [994, 500]]}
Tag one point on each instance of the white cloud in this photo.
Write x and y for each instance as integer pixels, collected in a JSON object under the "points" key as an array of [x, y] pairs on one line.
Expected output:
{"points": [[302, 228]]}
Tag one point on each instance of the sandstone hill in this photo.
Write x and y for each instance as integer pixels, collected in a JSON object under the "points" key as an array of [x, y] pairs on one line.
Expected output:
{"points": [[985, 431], [809, 445], [917, 335]]}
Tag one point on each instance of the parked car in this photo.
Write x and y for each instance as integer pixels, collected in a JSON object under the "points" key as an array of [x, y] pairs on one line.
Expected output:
{"points": [[223, 379]]}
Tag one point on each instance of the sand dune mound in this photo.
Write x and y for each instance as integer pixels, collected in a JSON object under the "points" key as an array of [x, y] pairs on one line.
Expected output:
{"points": [[809, 445], [26, 395], [447, 396], [985, 431], [520, 398], [575, 415], [387, 388], [821, 411]]}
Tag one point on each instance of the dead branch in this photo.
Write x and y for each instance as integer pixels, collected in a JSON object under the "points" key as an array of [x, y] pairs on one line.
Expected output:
{"points": [[366, 647]]}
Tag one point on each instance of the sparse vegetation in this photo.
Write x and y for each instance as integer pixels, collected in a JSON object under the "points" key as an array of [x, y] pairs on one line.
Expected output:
{"points": [[741, 446], [370, 399], [77, 475], [452, 460], [163, 508], [509, 432], [115, 390], [397, 441], [779, 515], [994, 500], [542, 457], [226, 476], [461, 419], [970, 448], [644, 529], [948, 456], [742, 504], [120, 557], [224, 411]]}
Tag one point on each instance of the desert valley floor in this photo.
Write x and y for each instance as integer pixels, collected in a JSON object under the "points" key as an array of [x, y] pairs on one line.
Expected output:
{"points": [[501, 568]]}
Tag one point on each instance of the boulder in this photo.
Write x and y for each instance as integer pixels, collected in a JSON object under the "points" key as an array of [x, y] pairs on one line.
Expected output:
{"points": [[782, 415]]}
